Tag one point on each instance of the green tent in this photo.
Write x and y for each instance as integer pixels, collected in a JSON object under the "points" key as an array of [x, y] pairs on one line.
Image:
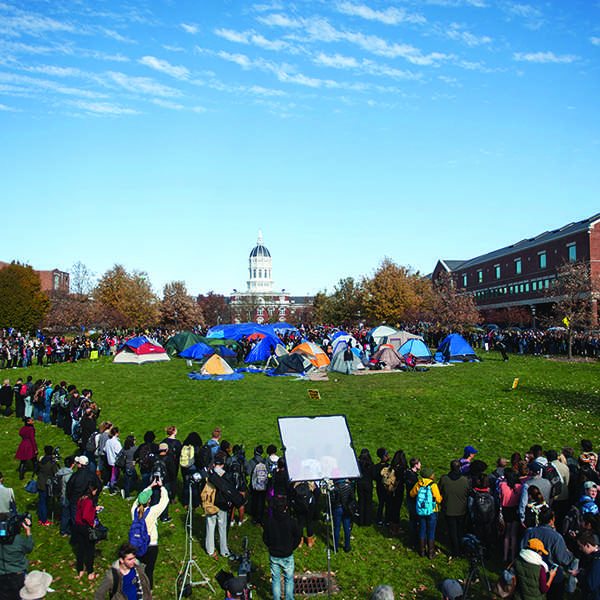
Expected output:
{"points": [[182, 341]]}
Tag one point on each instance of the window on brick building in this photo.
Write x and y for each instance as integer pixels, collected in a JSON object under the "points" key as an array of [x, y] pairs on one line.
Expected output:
{"points": [[479, 276], [518, 266], [572, 252], [497, 269], [542, 256]]}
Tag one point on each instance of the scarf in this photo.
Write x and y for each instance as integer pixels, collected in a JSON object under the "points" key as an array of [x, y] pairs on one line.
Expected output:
{"points": [[533, 558]]}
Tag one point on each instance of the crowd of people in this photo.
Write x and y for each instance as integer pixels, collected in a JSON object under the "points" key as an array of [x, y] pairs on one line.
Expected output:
{"points": [[537, 510]]}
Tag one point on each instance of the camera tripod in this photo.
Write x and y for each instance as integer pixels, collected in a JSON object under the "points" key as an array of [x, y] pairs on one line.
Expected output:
{"points": [[476, 571], [185, 581]]}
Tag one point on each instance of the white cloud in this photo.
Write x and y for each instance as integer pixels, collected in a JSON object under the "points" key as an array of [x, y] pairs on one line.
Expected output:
{"points": [[544, 57], [265, 7], [389, 16], [167, 104], [102, 108], [117, 36], [31, 24], [46, 84], [595, 41], [337, 61], [57, 71], [8, 108], [165, 67], [250, 37], [240, 37], [532, 16], [190, 28], [279, 20], [456, 32], [141, 85]]}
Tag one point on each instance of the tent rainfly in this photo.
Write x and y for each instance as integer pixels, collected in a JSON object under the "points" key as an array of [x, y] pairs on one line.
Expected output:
{"points": [[139, 350]]}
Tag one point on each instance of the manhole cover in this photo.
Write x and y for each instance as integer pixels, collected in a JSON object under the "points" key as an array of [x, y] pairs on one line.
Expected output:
{"points": [[312, 584]]}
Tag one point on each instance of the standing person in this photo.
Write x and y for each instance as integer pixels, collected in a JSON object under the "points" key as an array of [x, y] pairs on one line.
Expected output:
{"points": [[175, 446], [398, 467], [364, 488], [380, 489], [348, 358], [142, 509], [164, 465], [7, 498], [131, 580], [343, 505], [411, 477], [102, 466], [27, 449], [6, 398], [112, 448], [67, 517], [46, 469], [465, 462], [509, 495], [532, 574], [258, 485], [589, 577], [455, 489], [13, 562], [215, 507], [19, 399], [557, 553], [213, 443], [281, 535], [85, 519], [190, 461], [145, 455], [129, 473], [305, 497], [428, 499]]}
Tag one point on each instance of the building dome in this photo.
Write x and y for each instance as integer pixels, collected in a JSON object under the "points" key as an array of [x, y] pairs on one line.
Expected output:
{"points": [[259, 269], [260, 251]]}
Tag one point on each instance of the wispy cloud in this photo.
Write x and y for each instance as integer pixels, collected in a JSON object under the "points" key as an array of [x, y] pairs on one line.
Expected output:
{"points": [[251, 37], [47, 85], [31, 24], [595, 41], [337, 61], [168, 104], [389, 16], [530, 15], [179, 72], [457, 32], [8, 108], [545, 57], [140, 85], [280, 20], [190, 28], [102, 108], [115, 35]]}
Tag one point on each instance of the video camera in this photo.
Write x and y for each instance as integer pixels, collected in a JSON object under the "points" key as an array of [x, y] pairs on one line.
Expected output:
{"points": [[244, 570], [473, 548], [10, 526]]}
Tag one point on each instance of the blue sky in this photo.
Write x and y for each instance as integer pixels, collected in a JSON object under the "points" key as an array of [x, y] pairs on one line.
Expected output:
{"points": [[163, 135]]}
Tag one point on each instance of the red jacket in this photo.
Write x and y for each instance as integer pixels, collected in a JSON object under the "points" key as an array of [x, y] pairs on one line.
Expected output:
{"points": [[27, 448], [86, 512]]}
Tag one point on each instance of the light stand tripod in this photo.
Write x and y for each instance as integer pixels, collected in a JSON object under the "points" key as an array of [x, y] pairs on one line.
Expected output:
{"points": [[476, 566], [184, 583], [327, 486]]}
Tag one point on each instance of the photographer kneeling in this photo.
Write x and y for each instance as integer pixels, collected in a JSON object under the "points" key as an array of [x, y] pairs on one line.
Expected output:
{"points": [[13, 548]]}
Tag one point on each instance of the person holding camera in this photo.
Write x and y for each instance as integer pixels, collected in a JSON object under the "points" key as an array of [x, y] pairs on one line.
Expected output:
{"points": [[142, 509], [13, 561], [7, 498], [215, 507]]}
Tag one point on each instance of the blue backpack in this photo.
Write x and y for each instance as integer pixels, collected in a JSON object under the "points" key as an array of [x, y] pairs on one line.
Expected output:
{"points": [[425, 501], [138, 533]]}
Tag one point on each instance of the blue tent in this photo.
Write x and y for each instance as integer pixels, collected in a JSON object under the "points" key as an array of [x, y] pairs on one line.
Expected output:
{"points": [[236, 332], [262, 350], [455, 348], [416, 347], [197, 351]]}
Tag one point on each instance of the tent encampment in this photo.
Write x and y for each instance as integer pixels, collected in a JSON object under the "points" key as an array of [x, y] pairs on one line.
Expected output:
{"points": [[417, 348], [380, 334], [262, 350], [181, 341], [454, 348], [139, 350], [292, 363], [400, 338]]}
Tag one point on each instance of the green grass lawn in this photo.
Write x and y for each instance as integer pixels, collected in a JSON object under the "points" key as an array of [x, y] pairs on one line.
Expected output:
{"points": [[431, 415]]}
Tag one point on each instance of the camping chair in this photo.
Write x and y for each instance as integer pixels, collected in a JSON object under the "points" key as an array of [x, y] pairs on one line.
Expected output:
{"points": [[411, 362]]}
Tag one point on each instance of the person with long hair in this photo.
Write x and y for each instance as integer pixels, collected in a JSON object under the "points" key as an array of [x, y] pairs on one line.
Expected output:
{"points": [[27, 449], [509, 494], [192, 445], [398, 465], [85, 519], [364, 488], [142, 509]]}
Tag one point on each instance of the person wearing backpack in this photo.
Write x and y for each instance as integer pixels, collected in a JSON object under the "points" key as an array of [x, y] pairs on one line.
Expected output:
{"points": [[189, 461], [112, 448], [343, 505], [144, 457], [142, 509], [259, 478], [380, 488], [46, 468], [536, 479], [395, 490], [428, 501], [305, 498], [126, 578], [364, 489], [482, 511]]}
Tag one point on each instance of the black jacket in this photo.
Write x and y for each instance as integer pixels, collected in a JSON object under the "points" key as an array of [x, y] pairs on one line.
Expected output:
{"points": [[281, 534]]}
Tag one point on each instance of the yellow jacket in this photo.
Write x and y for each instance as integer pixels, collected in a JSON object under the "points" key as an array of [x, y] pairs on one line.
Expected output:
{"points": [[435, 491]]}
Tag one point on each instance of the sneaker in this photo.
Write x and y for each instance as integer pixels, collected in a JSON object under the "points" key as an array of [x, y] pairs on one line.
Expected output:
{"points": [[46, 524], [232, 524], [129, 498], [123, 494], [226, 555], [167, 520], [113, 492]]}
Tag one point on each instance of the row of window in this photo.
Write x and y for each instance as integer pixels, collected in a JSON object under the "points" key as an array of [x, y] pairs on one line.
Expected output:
{"points": [[267, 273], [542, 262], [510, 290]]}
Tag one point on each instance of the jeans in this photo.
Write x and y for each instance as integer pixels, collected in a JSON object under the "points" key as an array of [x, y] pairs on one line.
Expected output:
{"points": [[212, 521], [286, 565], [43, 506], [131, 478], [413, 519], [67, 519], [427, 526], [338, 520]]}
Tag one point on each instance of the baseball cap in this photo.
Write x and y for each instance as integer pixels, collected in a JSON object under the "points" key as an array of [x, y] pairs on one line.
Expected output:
{"points": [[535, 467], [537, 545], [82, 460], [470, 450], [144, 496], [450, 588], [163, 446], [589, 484], [235, 586]]}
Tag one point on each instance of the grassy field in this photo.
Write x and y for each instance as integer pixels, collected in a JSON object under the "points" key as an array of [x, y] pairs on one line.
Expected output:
{"points": [[431, 415]]}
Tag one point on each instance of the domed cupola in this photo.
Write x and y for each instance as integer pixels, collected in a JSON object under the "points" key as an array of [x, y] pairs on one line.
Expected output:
{"points": [[259, 268]]}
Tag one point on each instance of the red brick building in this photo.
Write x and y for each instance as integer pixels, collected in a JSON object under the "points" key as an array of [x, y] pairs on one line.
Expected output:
{"points": [[51, 281], [519, 275]]}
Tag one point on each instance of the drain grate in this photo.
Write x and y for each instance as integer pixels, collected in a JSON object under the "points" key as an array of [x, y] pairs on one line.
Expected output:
{"points": [[312, 584]]}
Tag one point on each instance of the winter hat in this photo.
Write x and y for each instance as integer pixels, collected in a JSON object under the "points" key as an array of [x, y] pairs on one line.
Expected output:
{"points": [[36, 585], [450, 588], [426, 472], [144, 497]]}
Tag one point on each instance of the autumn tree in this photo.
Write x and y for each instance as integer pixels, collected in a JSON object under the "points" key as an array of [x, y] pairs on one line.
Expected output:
{"points": [[575, 296], [345, 303], [395, 294], [127, 299], [320, 308], [178, 309], [452, 309], [23, 305], [214, 308]]}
